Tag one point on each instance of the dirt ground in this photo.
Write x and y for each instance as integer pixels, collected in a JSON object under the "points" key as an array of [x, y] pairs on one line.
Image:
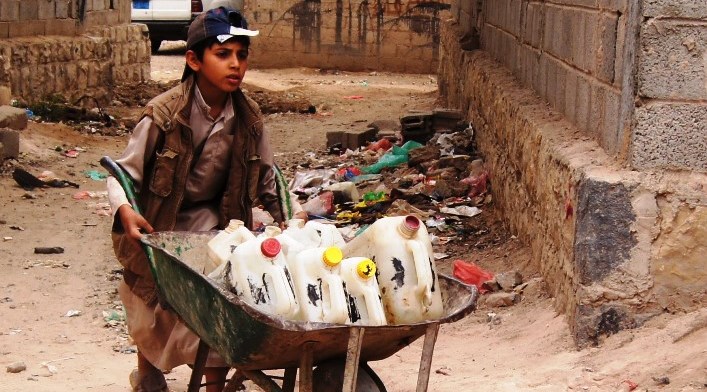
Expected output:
{"points": [[60, 315]]}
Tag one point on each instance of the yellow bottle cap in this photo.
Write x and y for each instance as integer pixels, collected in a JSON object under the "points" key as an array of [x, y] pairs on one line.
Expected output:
{"points": [[332, 256], [366, 269]]}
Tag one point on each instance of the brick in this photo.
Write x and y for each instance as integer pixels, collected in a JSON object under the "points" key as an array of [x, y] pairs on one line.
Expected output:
{"points": [[334, 137], [26, 28], [65, 27], [10, 140], [46, 9], [29, 10], [62, 9], [9, 10], [356, 139]]}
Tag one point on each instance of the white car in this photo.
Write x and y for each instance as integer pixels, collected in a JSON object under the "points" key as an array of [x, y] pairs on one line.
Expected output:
{"points": [[168, 20]]}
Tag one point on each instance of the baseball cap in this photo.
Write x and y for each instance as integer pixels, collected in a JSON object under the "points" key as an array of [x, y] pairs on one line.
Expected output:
{"points": [[222, 23]]}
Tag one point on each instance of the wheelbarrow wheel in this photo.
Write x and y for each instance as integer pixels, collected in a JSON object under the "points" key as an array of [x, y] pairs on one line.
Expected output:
{"points": [[329, 376]]}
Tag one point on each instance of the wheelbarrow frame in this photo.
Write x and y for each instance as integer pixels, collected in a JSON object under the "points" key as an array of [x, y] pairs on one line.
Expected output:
{"points": [[251, 341]]}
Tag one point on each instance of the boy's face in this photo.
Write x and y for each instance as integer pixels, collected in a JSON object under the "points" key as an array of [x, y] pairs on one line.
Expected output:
{"points": [[222, 68]]}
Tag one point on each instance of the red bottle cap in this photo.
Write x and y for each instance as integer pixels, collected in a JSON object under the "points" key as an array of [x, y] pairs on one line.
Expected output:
{"points": [[270, 247]]}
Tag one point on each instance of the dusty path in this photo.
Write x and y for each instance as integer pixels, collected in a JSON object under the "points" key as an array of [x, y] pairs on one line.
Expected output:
{"points": [[523, 348]]}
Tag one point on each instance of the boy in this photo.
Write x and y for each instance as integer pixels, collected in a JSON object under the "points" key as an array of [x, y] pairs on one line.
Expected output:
{"points": [[199, 157]]}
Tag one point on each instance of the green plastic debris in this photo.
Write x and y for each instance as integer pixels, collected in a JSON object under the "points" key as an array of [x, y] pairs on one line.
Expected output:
{"points": [[397, 156], [96, 175]]}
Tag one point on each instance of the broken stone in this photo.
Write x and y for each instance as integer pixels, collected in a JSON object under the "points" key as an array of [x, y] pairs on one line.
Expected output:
{"points": [[10, 140], [509, 280], [16, 367], [662, 380], [449, 188], [460, 162], [12, 117], [422, 154], [533, 288], [498, 300]]}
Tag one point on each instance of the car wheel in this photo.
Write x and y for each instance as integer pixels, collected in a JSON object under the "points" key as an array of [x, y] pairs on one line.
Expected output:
{"points": [[155, 45]]}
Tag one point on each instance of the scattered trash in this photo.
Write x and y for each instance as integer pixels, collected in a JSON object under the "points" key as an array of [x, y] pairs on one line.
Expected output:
{"points": [[444, 370], [73, 153], [461, 210], [631, 385], [472, 274], [354, 97], [20, 228], [28, 181], [49, 250], [96, 175], [16, 367], [72, 313], [85, 195]]}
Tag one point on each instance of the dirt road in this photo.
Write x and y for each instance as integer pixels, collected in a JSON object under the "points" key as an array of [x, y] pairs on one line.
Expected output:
{"points": [[60, 316]]}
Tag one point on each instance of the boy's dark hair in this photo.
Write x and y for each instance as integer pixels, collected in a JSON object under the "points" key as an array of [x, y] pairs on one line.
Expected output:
{"points": [[200, 47]]}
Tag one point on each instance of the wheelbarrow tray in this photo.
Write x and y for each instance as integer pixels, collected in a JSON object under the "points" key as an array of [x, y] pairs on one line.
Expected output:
{"points": [[249, 339]]}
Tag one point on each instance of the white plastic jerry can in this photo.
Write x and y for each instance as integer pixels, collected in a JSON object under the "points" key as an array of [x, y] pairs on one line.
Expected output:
{"points": [[362, 292], [318, 285], [327, 234], [259, 276], [297, 230], [270, 232], [223, 244], [407, 275]]}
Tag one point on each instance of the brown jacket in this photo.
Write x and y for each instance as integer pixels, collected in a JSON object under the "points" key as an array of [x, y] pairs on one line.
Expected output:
{"points": [[162, 192]]}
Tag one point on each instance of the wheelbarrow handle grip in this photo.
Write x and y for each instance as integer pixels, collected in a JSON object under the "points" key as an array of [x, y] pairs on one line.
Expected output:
{"points": [[126, 182]]}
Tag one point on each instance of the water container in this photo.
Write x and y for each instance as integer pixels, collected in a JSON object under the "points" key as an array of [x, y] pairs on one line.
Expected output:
{"points": [[259, 276], [270, 232], [222, 245], [402, 251], [319, 288], [362, 292], [297, 229], [328, 234]]}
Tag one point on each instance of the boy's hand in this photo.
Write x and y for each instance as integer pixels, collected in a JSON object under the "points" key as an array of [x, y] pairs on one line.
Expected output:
{"points": [[133, 222]]}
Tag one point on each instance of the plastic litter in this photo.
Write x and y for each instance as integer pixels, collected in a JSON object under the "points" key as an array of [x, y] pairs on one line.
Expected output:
{"points": [[471, 273], [461, 211]]}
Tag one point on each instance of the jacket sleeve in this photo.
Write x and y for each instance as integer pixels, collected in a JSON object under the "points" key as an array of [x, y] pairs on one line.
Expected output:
{"points": [[267, 188]]}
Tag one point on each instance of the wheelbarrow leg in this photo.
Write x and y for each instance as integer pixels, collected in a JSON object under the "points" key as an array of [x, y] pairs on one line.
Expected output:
{"points": [[202, 353], [262, 380], [288, 382], [353, 355], [423, 376], [305, 367]]}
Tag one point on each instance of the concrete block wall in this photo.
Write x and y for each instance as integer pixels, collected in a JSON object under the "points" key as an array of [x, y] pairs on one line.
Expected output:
{"points": [[569, 52], [390, 35], [70, 47], [670, 128], [616, 246]]}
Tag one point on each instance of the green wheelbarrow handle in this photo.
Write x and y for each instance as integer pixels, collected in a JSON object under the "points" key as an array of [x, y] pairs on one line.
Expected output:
{"points": [[126, 182]]}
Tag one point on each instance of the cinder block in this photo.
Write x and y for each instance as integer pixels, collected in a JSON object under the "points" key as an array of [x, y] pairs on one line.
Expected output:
{"points": [[356, 139], [26, 28], [9, 10], [29, 10], [10, 140], [12, 117], [64, 27], [46, 9]]}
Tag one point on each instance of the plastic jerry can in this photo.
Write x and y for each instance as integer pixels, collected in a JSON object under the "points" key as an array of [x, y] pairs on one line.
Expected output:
{"points": [[222, 245], [327, 234], [362, 292], [270, 232], [318, 285], [407, 275], [297, 229], [259, 276]]}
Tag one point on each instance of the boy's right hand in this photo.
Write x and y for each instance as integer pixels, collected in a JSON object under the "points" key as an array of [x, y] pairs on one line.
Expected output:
{"points": [[133, 222]]}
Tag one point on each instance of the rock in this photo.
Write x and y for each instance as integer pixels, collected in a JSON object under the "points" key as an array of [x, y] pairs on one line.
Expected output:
{"points": [[12, 117], [509, 280], [445, 188], [459, 162], [16, 367], [422, 154], [498, 300], [662, 380], [533, 288], [10, 140]]}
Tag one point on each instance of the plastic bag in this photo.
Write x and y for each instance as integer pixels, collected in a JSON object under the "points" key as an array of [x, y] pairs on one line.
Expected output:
{"points": [[397, 156], [471, 273]]}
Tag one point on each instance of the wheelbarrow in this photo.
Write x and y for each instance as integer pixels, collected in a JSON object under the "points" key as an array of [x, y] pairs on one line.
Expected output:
{"points": [[252, 342]]}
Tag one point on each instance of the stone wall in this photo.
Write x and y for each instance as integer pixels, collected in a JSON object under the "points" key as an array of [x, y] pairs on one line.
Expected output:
{"points": [[71, 47], [616, 245], [390, 35]]}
